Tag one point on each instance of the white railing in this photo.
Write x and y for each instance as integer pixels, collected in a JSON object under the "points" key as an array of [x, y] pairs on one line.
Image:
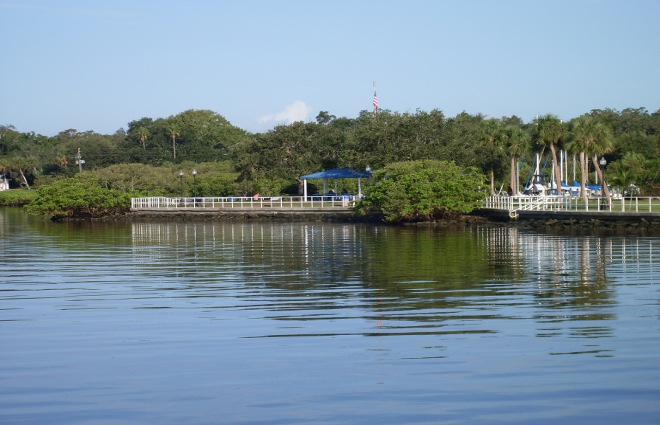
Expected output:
{"points": [[244, 202], [646, 204]]}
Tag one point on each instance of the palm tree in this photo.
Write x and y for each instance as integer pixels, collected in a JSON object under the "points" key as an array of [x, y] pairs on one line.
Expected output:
{"points": [[604, 143], [22, 164], [143, 134], [492, 135], [173, 132], [517, 141], [580, 142], [549, 132], [590, 137]]}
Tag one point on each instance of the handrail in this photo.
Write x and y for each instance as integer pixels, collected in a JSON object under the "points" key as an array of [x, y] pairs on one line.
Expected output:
{"points": [[638, 204], [244, 202]]}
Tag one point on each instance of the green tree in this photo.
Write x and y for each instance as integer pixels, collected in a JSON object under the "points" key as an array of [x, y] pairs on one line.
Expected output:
{"points": [[24, 155], [143, 134], [389, 137], [142, 143], [491, 139], [206, 136], [603, 143], [634, 130], [282, 153], [580, 142], [422, 191], [378, 139], [174, 132], [192, 135], [21, 164], [459, 141], [78, 197], [631, 169], [591, 137], [517, 143], [8, 139], [549, 131], [98, 150], [325, 118]]}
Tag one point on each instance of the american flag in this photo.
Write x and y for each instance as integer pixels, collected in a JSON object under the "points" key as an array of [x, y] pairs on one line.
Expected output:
{"points": [[375, 103]]}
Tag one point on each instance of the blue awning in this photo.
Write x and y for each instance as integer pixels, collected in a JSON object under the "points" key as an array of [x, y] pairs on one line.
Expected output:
{"points": [[337, 173]]}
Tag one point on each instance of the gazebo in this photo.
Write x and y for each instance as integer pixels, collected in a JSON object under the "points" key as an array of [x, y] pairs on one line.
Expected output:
{"points": [[336, 173]]}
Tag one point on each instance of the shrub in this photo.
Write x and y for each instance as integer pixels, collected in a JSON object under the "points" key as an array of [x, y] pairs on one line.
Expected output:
{"points": [[423, 191], [16, 197], [78, 198]]}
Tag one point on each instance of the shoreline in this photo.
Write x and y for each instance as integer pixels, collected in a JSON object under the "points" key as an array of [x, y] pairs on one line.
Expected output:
{"points": [[567, 220]]}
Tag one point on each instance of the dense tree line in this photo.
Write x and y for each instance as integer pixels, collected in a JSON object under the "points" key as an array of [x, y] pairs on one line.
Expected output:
{"points": [[234, 161]]}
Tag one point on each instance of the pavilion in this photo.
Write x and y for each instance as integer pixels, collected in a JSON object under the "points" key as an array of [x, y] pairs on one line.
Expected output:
{"points": [[336, 173]]}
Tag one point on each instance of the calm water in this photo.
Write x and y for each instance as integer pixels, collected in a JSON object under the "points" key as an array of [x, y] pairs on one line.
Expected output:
{"points": [[290, 323]]}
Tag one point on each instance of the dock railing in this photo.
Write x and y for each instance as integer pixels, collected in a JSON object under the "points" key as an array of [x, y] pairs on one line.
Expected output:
{"points": [[244, 202], [637, 204]]}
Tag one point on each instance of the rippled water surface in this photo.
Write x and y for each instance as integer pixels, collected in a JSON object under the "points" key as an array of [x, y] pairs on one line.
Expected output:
{"points": [[286, 323]]}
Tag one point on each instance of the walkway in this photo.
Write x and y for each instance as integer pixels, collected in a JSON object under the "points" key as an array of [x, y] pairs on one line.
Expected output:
{"points": [[238, 203], [545, 207]]}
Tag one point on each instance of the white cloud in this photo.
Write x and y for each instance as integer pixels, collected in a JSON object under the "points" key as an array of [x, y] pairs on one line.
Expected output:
{"points": [[297, 111]]}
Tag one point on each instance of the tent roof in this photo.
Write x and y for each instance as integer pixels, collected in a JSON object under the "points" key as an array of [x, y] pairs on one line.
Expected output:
{"points": [[337, 173]]}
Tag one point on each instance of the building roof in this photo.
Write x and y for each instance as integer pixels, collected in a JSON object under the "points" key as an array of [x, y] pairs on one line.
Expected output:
{"points": [[337, 173]]}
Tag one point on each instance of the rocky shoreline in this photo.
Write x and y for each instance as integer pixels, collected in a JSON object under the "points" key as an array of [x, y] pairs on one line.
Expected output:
{"points": [[567, 221], [577, 222]]}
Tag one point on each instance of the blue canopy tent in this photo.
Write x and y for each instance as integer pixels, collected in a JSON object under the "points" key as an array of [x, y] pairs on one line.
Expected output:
{"points": [[336, 173]]}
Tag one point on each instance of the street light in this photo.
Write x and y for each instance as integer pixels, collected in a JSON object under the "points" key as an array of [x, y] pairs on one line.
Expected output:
{"points": [[194, 173], [603, 184], [181, 182], [603, 163]]}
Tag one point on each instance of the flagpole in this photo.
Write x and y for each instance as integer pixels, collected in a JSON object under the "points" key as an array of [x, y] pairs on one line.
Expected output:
{"points": [[375, 101]]}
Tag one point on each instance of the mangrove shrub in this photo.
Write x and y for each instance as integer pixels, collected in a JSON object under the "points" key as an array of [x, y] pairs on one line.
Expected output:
{"points": [[423, 191], [78, 198]]}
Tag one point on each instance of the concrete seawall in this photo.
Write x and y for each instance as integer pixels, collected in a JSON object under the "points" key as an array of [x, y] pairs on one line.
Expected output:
{"points": [[578, 219], [236, 214], [574, 218]]}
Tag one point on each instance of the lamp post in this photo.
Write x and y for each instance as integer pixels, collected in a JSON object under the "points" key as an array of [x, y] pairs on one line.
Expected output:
{"points": [[194, 173], [603, 163], [181, 182], [603, 184]]}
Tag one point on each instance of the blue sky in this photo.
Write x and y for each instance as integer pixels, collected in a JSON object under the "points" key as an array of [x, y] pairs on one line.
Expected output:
{"points": [[97, 64]]}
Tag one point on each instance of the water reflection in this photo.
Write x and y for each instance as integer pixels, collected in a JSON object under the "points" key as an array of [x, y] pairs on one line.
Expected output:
{"points": [[188, 322], [407, 280]]}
